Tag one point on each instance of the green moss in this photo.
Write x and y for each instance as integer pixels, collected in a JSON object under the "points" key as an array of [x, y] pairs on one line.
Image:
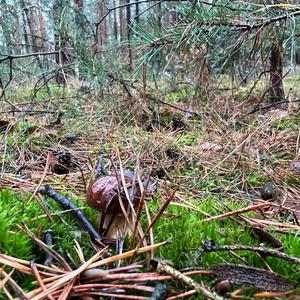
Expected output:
{"points": [[175, 96], [56, 90], [16, 208], [186, 229], [12, 212], [188, 139], [42, 93], [286, 124], [25, 93], [255, 179]]}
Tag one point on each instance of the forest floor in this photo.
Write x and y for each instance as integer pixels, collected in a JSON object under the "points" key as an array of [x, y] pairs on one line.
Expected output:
{"points": [[218, 161]]}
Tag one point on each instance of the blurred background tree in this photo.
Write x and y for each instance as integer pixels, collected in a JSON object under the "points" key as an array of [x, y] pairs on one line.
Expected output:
{"points": [[226, 37], [201, 44]]}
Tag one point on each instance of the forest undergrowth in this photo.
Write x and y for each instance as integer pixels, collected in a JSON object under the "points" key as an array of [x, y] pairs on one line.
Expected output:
{"points": [[220, 161]]}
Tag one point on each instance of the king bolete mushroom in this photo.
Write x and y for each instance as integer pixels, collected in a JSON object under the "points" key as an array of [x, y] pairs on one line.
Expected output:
{"points": [[106, 194]]}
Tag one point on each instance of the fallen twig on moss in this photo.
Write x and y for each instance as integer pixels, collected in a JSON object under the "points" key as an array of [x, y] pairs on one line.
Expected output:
{"points": [[48, 242], [46, 248], [232, 213], [208, 247], [162, 267], [67, 204]]}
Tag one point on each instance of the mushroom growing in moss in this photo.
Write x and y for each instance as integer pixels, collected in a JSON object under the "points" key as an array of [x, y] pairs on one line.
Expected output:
{"points": [[106, 195]]}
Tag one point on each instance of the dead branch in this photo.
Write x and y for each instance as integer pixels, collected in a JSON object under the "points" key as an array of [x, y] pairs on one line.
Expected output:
{"points": [[162, 267], [67, 204], [208, 247]]}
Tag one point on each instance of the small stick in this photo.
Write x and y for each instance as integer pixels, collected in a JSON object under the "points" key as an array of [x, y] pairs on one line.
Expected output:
{"points": [[100, 169], [155, 219], [43, 176], [48, 242], [125, 286], [112, 295], [23, 263], [92, 274], [232, 213], [271, 294], [67, 204], [139, 277], [64, 295], [7, 293], [3, 282], [162, 267], [40, 243], [262, 250], [278, 224], [14, 264], [56, 213]]}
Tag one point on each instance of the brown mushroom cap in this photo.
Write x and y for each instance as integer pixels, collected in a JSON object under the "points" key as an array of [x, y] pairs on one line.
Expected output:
{"points": [[102, 195]]}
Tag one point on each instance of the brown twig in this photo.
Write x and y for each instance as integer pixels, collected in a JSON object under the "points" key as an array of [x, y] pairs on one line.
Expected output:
{"points": [[239, 211], [262, 250], [162, 267]]}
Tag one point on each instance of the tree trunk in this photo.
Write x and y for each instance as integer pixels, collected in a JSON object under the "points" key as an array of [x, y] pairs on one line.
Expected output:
{"points": [[297, 58], [122, 20], [25, 33], [32, 19], [103, 25], [137, 11], [159, 15], [276, 72], [29, 26], [115, 22], [128, 18], [42, 29], [6, 29], [59, 40]]}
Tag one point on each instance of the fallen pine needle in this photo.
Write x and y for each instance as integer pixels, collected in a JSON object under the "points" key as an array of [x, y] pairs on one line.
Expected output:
{"points": [[232, 213]]}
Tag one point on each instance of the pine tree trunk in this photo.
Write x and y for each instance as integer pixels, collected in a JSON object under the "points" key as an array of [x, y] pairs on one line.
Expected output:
{"points": [[137, 11], [122, 21], [115, 22], [103, 25], [276, 72], [59, 40], [128, 18], [297, 58], [29, 20], [42, 29], [26, 35], [159, 15], [5, 30]]}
